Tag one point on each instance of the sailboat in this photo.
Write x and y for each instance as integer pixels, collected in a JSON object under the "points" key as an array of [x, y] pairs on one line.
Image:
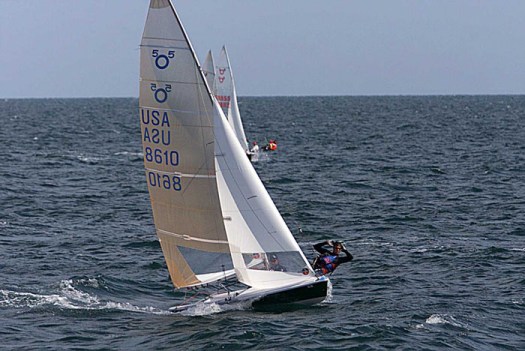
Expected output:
{"points": [[227, 97], [213, 216]]}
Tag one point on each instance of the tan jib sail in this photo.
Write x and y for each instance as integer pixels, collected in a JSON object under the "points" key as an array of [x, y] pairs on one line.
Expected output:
{"points": [[176, 114]]}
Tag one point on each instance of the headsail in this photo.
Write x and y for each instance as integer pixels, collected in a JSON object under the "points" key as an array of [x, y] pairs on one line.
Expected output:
{"points": [[227, 96], [176, 112], [256, 231]]}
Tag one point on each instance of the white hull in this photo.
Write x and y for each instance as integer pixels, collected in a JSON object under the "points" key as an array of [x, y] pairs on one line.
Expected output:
{"points": [[305, 294]]}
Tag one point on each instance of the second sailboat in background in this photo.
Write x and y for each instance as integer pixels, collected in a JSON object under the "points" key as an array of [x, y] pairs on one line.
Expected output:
{"points": [[221, 82]]}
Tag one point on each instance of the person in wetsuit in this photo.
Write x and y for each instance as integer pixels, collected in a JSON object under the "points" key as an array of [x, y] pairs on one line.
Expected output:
{"points": [[275, 265], [328, 260]]}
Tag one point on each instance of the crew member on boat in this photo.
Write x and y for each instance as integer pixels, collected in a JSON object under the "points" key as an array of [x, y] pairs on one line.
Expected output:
{"points": [[255, 148], [275, 265], [328, 260], [272, 145]]}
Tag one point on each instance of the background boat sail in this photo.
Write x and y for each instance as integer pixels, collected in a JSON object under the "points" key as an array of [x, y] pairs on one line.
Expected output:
{"points": [[209, 71], [212, 214], [227, 96]]}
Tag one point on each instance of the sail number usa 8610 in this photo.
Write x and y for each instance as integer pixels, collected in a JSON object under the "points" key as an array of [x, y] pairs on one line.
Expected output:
{"points": [[164, 181], [161, 157]]}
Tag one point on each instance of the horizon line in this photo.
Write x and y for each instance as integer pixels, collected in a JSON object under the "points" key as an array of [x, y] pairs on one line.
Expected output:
{"points": [[279, 96]]}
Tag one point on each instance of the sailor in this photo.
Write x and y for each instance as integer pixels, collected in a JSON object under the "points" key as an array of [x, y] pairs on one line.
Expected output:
{"points": [[275, 265], [259, 262], [255, 148], [328, 260], [271, 146]]}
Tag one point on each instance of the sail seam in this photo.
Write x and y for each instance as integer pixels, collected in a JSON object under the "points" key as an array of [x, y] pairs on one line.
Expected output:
{"points": [[169, 109], [188, 175], [184, 47], [187, 237], [168, 81]]}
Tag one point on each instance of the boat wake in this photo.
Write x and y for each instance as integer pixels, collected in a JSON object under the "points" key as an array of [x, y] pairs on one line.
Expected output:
{"points": [[70, 298], [207, 308], [329, 296], [260, 156]]}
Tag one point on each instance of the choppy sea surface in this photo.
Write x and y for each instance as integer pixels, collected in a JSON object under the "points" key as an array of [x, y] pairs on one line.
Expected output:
{"points": [[427, 192]]}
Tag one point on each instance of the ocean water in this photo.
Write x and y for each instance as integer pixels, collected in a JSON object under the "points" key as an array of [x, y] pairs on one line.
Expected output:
{"points": [[427, 192]]}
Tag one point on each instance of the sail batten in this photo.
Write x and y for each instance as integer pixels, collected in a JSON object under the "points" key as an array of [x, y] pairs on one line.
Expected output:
{"points": [[185, 175], [182, 41]]}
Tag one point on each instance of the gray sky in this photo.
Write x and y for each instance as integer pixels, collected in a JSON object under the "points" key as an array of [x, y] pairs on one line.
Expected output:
{"points": [[89, 48]]}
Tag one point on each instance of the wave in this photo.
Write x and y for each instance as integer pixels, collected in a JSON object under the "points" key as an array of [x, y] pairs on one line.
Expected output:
{"points": [[127, 153], [89, 159], [70, 298], [441, 319]]}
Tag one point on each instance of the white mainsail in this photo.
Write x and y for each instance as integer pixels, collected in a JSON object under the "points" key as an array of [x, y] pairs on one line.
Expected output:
{"points": [[212, 214], [227, 96]]}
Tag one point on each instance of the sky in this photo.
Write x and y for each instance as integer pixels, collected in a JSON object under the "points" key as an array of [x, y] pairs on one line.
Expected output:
{"points": [[90, 48]]}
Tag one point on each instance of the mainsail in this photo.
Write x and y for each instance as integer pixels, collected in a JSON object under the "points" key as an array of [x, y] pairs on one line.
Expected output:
{"points": [[178, 143], [212, 214], [227, 96]]}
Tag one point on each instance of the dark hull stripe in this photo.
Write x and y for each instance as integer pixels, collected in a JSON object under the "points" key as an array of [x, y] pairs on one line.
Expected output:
{"points": [[303, 295]]}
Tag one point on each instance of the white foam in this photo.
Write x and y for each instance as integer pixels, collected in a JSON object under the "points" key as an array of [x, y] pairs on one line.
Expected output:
{"points": [[69, 291], [127, 153], [260, 157], [435, 319], [132, 308], [91, 282], [202, 309], [88, 159], [31, 300], [329, 296], [443, 319], [70, 298]]}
